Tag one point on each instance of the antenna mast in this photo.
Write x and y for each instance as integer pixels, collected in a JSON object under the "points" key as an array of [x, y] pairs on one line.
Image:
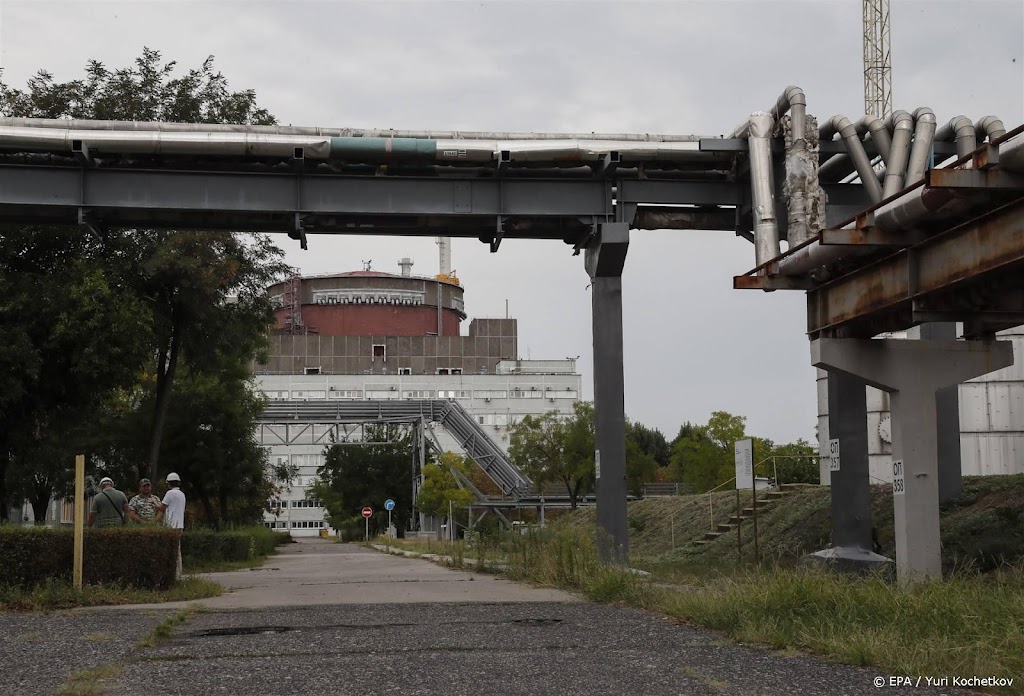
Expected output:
{"points": [[877, 59]]}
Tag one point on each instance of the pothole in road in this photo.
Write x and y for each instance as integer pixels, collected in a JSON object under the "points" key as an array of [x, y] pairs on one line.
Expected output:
{"points": [[242, 631]]}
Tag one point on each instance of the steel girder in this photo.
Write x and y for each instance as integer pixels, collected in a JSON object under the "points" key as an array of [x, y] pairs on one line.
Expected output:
{"points": [[299, 201]]}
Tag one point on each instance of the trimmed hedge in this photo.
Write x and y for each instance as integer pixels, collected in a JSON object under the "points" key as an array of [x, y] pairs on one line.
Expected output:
{"points": [[201, 547], [142, 557]]}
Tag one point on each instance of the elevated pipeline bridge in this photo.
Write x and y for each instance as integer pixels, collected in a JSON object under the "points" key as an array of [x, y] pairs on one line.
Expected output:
{"points": [[879, 231]]}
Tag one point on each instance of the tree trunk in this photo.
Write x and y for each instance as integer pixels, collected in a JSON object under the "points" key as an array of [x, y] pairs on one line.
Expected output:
{"points": [[166, 367], [222, 500], [40, 501], [4, 502]]}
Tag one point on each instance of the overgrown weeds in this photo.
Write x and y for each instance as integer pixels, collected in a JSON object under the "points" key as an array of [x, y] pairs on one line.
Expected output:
{"points": [[57, 594]]}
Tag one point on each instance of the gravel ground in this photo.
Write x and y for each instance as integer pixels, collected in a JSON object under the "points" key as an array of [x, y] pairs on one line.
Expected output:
{"points": [[39, 651], [524, 648]]}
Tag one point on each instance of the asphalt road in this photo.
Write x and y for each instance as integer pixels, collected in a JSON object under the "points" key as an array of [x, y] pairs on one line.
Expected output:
{"points": [[340, 619]]}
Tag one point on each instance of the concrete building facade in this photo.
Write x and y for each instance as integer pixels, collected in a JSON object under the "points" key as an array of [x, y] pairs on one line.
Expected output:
{"points": [[369, 335]]}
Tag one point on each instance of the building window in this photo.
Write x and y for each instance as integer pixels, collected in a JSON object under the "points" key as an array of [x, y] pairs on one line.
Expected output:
{"points": [[405, 370], [378, 352], [456, 371], [441, 371], [311, 370]]}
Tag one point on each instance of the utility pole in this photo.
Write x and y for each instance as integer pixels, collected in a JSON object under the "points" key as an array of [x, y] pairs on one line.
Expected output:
{"points": [[877, 59]]}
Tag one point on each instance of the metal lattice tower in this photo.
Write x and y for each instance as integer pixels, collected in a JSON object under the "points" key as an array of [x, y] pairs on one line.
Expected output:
{"points": [[877, 59]]}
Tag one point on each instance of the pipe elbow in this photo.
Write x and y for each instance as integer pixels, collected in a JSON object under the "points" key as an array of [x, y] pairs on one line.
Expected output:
{"points": [[989, 126], [958, 127], [794, 95], [842, 125], [923, 114], [900, 120]]}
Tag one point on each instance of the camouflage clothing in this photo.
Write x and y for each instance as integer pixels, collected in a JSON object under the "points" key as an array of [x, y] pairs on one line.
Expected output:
{"points": [[145, 506]]}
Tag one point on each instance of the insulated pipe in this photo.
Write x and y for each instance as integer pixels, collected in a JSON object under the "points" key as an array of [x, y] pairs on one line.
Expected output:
{"points": [[906, 211], [961, 129], [899, 152], [766, 230], [839, 166], [920, 153], [362, 149], [989, 128], [791, 98], [843, 126], [84, 124]]}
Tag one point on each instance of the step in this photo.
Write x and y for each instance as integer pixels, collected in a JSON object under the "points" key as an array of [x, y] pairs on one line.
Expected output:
{"points": [[711, 536], [726, 528], [773, 495]]}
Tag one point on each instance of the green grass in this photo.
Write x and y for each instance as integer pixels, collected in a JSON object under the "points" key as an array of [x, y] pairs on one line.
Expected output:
{"points": [[91, 682], [165, 629], [970, 624], [59, 595]]}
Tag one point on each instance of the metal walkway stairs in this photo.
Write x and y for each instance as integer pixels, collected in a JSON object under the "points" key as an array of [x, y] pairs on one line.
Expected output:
{"points": [[447, 413]]}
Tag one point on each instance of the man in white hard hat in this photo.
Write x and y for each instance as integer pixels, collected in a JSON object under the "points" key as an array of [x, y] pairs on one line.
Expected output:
{"points": [[109, 506], [173, 506]]}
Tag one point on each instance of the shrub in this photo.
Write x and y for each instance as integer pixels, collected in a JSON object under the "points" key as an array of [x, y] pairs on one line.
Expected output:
{"points": [[142, 557], [200, 547]]}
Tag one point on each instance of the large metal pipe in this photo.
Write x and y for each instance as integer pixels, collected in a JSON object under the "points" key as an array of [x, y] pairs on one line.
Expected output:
{"points": [[840, 166], [921, 152], [352, 149], [963, 131], [990, 128], [169, 127], [906, 211], [854, 147], [766, 229], [899, 152]]}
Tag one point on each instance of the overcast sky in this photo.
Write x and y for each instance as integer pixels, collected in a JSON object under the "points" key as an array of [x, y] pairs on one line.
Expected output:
{"points": [[693, 344]]}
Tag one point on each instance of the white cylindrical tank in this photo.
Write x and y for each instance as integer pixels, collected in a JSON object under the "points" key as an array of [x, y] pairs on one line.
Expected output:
{"points": [[991, 420]]}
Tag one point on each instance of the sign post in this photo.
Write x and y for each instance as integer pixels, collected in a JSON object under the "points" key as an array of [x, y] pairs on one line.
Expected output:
{"points": [[389, 505], [76, 574], [744, 454], [367, 513]]}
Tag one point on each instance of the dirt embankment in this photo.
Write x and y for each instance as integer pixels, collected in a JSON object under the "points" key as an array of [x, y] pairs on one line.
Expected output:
{"points": [[984, 526]]}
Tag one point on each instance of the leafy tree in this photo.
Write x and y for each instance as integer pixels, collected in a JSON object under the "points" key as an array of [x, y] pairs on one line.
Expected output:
{"points": [[797, 462], [703, 456], [165, 292], [550, 448], [60, 294], [441, 491], [650, 441], [353, 476]]}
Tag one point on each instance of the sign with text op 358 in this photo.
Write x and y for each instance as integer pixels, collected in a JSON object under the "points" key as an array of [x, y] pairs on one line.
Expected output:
{"points": [[745, 463], [367, 511]]}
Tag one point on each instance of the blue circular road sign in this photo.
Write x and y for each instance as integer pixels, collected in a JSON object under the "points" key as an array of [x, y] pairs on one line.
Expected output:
{"points": [[389, 504]]}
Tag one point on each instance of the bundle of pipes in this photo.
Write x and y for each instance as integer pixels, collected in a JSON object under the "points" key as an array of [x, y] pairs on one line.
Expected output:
{"points": [[758, 130], [56, 136], [907, 210]]}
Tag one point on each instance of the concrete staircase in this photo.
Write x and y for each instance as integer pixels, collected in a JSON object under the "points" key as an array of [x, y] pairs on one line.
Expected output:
{"points": [[766, 501]]}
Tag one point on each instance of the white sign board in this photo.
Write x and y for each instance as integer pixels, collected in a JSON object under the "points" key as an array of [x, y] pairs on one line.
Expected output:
{"points": [[597, 464], [899, 483], [833, 455], [745, 463]]}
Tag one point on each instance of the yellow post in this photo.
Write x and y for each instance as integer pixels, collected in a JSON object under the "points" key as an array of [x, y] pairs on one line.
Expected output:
{"points": [[79, 517]]}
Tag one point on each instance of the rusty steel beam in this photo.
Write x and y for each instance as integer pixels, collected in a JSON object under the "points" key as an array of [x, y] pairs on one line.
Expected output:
{"points": [[871, 236], [969, 252], [970, 179]]}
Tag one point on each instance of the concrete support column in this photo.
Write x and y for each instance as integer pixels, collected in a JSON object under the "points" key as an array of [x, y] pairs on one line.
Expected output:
{"points": [[913, 371], [947, 417], [851, 548], [605, 257], [850, 488]]}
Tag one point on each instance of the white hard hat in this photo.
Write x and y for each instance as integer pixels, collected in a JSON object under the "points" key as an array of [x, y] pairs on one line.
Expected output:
{"points": [[173, 477]]}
